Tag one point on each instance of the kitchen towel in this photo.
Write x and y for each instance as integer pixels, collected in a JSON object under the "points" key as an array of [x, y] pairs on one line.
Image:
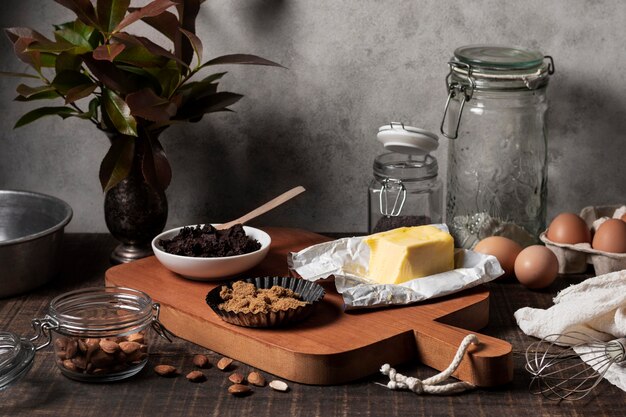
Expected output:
{"points": [[595, 307]]}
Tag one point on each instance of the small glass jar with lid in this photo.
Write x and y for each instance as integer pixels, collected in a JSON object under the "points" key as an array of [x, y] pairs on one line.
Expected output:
{"points": [[98, 334], [497, 155], [405, 190]]}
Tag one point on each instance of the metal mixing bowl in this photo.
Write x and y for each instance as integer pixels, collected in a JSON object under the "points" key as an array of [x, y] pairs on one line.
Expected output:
{"points": [[31, 231]]}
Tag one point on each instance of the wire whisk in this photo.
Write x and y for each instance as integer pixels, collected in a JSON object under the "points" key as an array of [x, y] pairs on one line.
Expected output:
{"points": [[569, 366]]}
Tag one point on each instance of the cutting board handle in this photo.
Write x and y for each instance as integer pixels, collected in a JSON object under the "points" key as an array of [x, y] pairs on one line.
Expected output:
{"points": [[486, 365]]}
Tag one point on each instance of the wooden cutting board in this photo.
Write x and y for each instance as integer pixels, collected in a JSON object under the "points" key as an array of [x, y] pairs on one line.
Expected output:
{"points": [[331, 346]]}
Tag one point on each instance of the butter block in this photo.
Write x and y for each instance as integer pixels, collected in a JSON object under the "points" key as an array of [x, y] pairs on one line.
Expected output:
{"points": [[406, 253]]}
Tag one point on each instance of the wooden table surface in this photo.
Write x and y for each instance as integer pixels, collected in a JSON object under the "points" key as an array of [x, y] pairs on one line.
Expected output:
{"points": [[44, 391]]}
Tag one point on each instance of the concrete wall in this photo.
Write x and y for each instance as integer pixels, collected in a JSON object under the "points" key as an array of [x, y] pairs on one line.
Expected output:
{"points": [[353, 66]]}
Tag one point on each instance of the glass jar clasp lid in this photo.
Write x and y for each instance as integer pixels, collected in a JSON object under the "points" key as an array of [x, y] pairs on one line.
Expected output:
{"points": [[466, 91], [388, 188], [158, 327], [42, 328]]}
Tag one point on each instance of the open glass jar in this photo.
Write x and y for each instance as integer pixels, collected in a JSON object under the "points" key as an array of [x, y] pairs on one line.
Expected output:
{"points": [[497, 155], [98, 334], [405, 190]]}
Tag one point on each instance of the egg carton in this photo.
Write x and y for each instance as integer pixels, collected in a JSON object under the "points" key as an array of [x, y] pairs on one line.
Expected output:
{"points": [[573, 259]]}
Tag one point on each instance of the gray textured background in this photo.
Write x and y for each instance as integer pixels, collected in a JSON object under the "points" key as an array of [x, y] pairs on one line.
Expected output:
{"points": [[353, 66]]}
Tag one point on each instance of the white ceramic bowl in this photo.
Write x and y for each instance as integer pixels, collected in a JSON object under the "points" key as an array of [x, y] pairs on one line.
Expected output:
{"points": [[208, 269]]}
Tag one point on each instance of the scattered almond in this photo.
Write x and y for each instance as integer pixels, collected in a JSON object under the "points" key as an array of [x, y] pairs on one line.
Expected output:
{"points": [[236, 378], [129, 347], [109, 346], [239, 390], [201, 361], [256, 378], [165, 370], [224, 363], [279, 385], [196, 376]]}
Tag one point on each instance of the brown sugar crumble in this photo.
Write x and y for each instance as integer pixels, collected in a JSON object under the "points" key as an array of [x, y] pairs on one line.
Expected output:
{"points": [[245, 298]]}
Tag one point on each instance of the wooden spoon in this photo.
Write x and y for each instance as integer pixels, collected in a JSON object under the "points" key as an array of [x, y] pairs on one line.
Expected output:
{"points": [[270, 205]]}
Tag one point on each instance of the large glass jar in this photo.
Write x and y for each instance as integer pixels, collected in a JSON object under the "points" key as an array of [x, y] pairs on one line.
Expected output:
{"points": [[495, 118], [98, 334], [405, 190]]}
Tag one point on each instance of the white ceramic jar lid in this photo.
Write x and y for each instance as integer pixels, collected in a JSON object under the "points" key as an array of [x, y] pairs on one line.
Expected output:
{"points": [[397, 137]]}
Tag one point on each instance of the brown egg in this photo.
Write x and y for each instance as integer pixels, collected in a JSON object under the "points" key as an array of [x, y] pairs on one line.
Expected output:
{"points": [[504, 249], [536, 267], [624, 217], [569, 228], [610, 237]]}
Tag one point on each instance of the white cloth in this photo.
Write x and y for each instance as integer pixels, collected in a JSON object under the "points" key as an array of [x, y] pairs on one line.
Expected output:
{"points": [[595, 307]]}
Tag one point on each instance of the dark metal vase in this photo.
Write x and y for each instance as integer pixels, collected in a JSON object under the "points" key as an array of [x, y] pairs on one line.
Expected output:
{"points": [[135, 213]]}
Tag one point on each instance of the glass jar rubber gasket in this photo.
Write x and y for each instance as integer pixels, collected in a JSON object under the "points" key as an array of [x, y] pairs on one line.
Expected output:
{"points": [[499, 57], [16, 358]]}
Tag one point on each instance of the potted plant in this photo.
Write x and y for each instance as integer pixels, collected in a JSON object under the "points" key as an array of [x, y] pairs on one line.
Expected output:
{"points": [[132, 89]]}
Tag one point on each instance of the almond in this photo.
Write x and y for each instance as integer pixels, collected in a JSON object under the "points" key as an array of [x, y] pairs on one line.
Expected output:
{"points": [[239, 390], [129, 347], [136, 337], [236, 378], [196, 376], [165, 370], [256, 378], [277, 385], [109, 346], [201, 361], [224, 363]]}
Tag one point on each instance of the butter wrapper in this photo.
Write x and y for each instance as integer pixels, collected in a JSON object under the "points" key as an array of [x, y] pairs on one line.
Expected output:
{"points": [[348, 260]]}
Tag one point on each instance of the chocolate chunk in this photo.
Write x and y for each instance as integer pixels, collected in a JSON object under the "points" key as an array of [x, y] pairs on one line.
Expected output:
{"points": [[208, 242]]}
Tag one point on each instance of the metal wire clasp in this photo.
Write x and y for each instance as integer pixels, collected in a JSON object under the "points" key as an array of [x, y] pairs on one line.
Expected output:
{"points": [[43, 328], [158, 326], [398, 203], [455, 88]]}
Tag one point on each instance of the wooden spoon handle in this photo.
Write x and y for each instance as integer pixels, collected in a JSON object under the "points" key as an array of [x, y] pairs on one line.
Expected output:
{"points": [[270, 205]]}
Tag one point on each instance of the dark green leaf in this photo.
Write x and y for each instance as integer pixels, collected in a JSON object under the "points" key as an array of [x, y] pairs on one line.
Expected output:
{"points": [[27, 91], [77, 34], [78, 92], [111, 12], [17, 74], [187, 12], [241, 59], [59, 46], [147, 105], [152, 47], [108, 52], [93, 106], [118, 162], [155, 167], [33, 115], [67, 80], [44, 95], [166, 23], [83, 9], [119, 113], [48, 60], [168, 80], [141, 57], [67, 61], [209, 104], [196, 44], [109, 75], [152, 9]]}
